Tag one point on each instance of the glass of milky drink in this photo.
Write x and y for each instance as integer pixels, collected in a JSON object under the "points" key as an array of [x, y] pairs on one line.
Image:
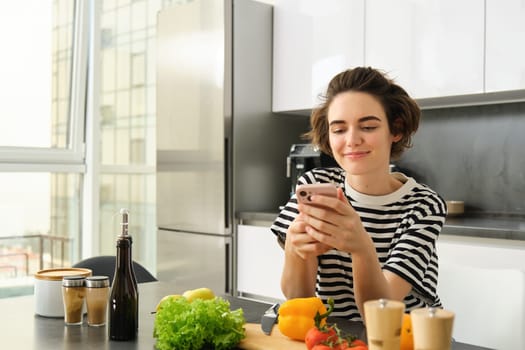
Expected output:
{"points": [[432, 328], [97, 296], [383, 319]]}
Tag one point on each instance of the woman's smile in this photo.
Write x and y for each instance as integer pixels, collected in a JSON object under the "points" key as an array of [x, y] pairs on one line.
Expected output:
{"points": [[356, 154]]}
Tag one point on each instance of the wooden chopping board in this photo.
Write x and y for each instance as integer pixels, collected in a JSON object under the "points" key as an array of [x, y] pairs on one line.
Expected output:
{"points": [[257, 340]]}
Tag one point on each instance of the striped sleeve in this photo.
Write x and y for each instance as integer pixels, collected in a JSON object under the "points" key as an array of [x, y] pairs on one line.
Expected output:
{"points": [[413, 253]]}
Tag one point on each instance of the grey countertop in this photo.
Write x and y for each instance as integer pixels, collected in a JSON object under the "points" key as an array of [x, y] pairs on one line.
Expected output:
{"points": [[475, 225], [489, 226], [266, 218], [21, 329]]}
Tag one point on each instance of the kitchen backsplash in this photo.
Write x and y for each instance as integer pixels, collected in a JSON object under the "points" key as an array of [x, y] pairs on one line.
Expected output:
{"points": [[475, 154]]}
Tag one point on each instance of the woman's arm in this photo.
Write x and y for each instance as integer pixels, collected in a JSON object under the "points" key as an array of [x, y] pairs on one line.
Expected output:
{"points": [[300, 261], [371, 282], [299, 275]]}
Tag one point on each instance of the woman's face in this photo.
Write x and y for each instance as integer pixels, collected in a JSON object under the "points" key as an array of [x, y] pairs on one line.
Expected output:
{"points": [[359, 134]]}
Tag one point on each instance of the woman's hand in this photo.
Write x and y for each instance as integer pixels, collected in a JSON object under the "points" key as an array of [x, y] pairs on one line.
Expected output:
{"points": [[330, 223], [301, 243], [333, 223], [300, 264]]}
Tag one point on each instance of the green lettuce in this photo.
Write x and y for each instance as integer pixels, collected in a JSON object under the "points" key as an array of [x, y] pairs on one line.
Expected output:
{"points": [[196, 325]]}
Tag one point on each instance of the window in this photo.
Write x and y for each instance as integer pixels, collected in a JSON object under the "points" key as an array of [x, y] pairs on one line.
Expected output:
{"points": [[40, 222], [75, 148], [42, 103], [41, 136]]}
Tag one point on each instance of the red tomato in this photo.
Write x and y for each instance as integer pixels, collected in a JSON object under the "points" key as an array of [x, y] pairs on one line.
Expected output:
{"points": [[357, 342], [315, 336], [343, 345], [322, 347]]}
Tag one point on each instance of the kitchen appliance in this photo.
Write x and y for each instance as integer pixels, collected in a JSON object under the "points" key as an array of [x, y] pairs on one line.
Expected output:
{"points": [[219, 146], [304, 157]]}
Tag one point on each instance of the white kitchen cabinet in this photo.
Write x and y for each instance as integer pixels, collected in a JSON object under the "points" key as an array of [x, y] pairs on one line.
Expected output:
{"points": [[313, 41], [443, 52], [260, 261], [483, 282], [505, 49], [432, 48]]}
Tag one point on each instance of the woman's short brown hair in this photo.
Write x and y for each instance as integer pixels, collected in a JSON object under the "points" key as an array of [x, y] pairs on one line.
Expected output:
{"points": [[401, 110]]}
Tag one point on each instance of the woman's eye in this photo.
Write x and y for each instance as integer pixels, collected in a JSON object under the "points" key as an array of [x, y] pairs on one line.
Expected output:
{"points": [[369, 128], [337, 131]]}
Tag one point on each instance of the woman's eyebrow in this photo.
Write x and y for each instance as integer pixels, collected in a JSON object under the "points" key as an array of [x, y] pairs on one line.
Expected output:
{"points": [[362, 119], [369, 117], [335, 122]]}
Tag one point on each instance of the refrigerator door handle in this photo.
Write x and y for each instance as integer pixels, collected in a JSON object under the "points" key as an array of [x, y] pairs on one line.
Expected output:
{"points": [[227, 223], [228, 263]]}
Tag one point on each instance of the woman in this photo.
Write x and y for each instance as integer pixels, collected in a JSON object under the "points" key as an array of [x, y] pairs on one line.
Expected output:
{"points": [[377, 239]]}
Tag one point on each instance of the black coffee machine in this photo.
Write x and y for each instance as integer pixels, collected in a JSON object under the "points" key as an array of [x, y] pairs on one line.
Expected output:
{"points": [[304, 157]]}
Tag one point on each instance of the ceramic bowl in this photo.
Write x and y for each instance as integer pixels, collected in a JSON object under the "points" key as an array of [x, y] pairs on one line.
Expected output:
{"points": [[48, 290]]}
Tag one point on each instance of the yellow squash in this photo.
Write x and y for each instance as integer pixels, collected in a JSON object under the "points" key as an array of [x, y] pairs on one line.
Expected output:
{"points": [[199, 293], [172, 296], [190, 295]]}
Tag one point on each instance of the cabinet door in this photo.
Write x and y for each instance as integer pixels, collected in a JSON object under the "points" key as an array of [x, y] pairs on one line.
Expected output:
{"points": [[260, 261], [505, 49], [313, 41], [472, 271], [432, 48]]}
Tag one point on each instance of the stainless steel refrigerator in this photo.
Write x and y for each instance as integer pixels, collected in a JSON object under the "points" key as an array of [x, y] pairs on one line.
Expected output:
{"points": [[220, 150]]}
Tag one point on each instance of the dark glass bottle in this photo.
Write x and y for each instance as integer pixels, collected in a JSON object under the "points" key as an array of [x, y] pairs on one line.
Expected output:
{"points": [[134, 277], [123, 301]]}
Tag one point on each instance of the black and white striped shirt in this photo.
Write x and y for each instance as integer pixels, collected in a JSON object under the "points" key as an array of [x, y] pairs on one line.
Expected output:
{"points": [[404, 226]]}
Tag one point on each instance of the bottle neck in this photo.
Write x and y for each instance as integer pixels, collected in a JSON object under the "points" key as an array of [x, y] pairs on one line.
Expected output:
{"points": [[124, 258]]}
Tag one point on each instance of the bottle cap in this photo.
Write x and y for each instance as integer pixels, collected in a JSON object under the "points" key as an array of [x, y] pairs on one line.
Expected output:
{"points": [[73, 281], [97, 281], [124, 223]]}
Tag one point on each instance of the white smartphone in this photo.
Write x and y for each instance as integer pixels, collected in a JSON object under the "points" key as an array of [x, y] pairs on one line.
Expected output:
{"points": [[304, 192]]}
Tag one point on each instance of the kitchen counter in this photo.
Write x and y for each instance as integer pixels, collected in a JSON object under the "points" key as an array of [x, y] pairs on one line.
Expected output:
{"points": [[484, 226], [21, 329], [256, 218], [490, 226]]}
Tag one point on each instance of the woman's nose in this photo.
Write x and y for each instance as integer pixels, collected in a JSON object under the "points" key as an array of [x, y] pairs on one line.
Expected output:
{"points": [[353, 137]]}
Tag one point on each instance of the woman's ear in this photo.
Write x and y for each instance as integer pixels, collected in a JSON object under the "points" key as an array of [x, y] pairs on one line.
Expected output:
{"points": [[396, 130], [397, 137]]}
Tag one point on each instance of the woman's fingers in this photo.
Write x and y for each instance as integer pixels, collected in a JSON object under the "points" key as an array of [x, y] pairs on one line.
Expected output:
{"points": [[304, 244]]}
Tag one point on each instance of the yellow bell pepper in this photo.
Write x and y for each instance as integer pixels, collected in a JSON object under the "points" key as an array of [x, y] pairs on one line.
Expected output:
{"points": [[296, 316]]}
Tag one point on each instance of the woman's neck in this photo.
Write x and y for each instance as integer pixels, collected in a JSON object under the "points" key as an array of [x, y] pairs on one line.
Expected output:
{"points": [[374, 185]]}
